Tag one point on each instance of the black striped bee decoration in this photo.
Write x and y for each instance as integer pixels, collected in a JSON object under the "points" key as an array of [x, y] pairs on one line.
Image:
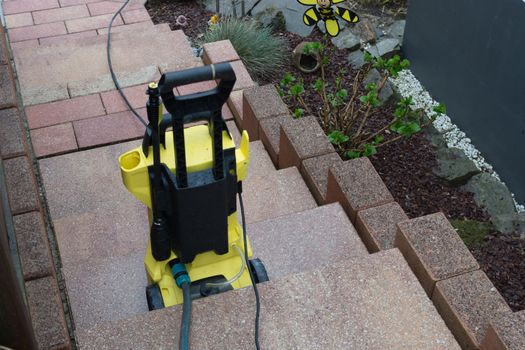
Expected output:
{"points": [[324, 10]]}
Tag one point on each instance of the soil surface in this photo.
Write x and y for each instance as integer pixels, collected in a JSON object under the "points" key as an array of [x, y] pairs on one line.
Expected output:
{"points": [[405, 166]]}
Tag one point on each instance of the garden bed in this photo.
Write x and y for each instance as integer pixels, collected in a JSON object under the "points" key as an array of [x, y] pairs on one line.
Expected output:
{"points": [[406, 167]]}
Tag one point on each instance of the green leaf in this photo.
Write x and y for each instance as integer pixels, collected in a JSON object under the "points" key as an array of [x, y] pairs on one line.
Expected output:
{"points": [[298, 113], [315, 46], [371, 87], [440, 109], [336, 137], [378, 139], [297, 89], [352, 154], [318, 84], [287, 79], [369, 150], [342, 94], [367, 57], [405, 64], [364, 99]]}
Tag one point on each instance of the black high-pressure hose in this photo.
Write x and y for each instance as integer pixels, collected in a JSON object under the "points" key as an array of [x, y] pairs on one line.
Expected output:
{"points": [[186, 318], [255, 290], [113, 76]]}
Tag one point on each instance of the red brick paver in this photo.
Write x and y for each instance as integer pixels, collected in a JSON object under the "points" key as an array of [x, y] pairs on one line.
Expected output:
{"points": [[54, 140], [114, 103], [134, 16], [37, 31], [68, 38], [108, 129], [60, 14], [96, 22], [105, 7], [48, 114], [19, 20], [22, 44], [19, 6], [64, 3]]}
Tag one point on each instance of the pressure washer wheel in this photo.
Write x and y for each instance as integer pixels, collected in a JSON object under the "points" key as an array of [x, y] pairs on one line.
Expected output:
{"points": [[258, 270], [154, 297]]}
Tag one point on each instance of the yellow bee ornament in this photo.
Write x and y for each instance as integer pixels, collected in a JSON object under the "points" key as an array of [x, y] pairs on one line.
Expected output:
{"points": [[324, 10]]}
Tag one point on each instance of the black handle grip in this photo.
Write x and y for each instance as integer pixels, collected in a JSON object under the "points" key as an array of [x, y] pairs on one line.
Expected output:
{"points": [[222, 71]]}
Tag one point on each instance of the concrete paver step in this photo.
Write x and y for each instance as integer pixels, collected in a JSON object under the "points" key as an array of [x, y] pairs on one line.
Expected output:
{"points": [[103, 290], [371, 302], [48, 73]]}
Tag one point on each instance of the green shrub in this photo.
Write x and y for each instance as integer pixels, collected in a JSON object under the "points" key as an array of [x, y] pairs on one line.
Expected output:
{"points": [[345, 113], [261, 52]]}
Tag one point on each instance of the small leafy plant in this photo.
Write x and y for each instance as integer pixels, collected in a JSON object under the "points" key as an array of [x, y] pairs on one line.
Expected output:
{"points": [[345, 111]]}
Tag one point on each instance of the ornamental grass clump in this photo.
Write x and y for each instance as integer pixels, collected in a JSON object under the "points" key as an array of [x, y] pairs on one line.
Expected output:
{"points": [[260, 51], [346, 111]]}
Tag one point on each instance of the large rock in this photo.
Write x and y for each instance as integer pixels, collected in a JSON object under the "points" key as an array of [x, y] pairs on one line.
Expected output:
{"points": [[375, 77], [366, 30], [397, 30], [385, 48], [491, 194], [510, 223], [272, 18], [347, 40], [356, 60], [454, 166]]}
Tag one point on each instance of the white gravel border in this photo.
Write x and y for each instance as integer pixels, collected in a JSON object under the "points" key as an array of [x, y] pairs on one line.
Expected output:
{"points": [[408, 85]]}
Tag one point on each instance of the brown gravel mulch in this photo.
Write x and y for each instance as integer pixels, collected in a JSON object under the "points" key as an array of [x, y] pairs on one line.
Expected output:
{"points": [[405, 166]]}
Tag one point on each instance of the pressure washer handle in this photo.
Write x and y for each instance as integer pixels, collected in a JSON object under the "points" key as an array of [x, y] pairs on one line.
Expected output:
{"points": [[221, 71]]}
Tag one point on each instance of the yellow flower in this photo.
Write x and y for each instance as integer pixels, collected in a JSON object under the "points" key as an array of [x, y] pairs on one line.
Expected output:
{"points": [[214, 19]]}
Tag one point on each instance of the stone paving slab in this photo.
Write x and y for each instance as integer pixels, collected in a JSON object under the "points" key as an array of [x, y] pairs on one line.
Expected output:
{"points": [[93, 214], [276, 194], [372, 302], [47, 73], [104, 290], [305, 241]]}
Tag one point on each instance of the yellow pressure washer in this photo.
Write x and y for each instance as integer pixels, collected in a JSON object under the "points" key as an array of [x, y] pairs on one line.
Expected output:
{"points": [[189, 178]]}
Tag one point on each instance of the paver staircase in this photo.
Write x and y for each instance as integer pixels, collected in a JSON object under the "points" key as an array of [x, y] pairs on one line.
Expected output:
{"points": [[326, 291]]}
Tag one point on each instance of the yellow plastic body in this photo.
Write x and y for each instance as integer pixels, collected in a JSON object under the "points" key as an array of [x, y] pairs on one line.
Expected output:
{"points": [[198, 144]]}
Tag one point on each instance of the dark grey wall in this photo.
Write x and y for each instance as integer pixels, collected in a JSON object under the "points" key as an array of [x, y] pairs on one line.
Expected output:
{"points": [[470, 54]]}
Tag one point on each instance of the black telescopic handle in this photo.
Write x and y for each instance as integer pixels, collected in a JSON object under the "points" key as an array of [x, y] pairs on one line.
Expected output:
{"points": [[222, 71]]}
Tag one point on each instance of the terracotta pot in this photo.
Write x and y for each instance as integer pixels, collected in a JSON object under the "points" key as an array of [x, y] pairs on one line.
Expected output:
{"points": [[307, 63]]}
